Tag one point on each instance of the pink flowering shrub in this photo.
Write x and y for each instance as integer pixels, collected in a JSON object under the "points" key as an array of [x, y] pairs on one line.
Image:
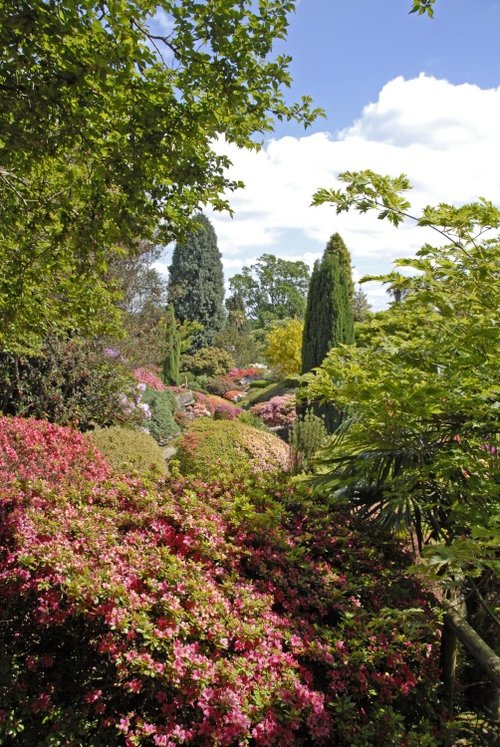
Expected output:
{"points": [[277, 412], [32, 450], [215, 407], [137, 614], [233, 395], [151, 379]]}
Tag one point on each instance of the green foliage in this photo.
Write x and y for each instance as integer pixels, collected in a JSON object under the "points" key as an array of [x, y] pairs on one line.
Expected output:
{"points": [[329, 315], [277, 389], [423, 6], [283, 347], [142, 297], [129, 450], [421, 449], [248, 418], [272, 289], [107, 134], [163, 406], [196, 281], [68, 381], [210, 362], [236, 336], [259, 383], [307, 435], [222, 449], [171, 362]]}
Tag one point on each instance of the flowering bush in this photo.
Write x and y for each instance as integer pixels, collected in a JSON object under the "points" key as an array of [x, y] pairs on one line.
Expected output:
{"points": [[149, 615], [223, 384], [72, 381], [246, 375], [233, 395], [151, 379], [277, 412], [215, 407]]}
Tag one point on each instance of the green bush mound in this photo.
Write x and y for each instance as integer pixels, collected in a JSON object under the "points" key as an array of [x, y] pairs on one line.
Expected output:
{"points": [[162, 406], [129, 450], [278, 389], [259, 383], [214, 449]]}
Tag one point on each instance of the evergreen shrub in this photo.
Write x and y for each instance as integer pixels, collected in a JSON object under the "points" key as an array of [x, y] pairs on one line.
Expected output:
{"points": [[306, 436], [163, 406], [129, 450], [211, 362], [215, 448]]}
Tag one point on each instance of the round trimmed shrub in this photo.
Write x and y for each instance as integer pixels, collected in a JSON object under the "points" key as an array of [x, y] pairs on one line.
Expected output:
{"points": [[129, 450], [210, 362], [215, 448]]}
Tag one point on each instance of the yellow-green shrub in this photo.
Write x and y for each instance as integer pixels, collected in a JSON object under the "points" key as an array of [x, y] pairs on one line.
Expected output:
{"points": [[214, 448], [129, 450]]}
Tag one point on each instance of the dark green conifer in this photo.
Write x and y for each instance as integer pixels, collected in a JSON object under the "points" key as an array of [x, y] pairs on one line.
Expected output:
{"points": [[329, 317], [196, 281], [171, 362]]}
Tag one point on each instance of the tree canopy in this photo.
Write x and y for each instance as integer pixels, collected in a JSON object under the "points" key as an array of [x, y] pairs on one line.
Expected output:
{"points": [[108, 131], [421, 446], [272, 289]]}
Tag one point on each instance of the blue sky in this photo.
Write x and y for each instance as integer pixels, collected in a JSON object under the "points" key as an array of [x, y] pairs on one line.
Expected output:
{"points": [[344, 51], [402, 93]]}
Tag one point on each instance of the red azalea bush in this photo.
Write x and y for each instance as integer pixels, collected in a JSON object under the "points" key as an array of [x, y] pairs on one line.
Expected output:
{"points": [[148, 377], [37, 450], [191, 613], [277, 412], [246, 374]]}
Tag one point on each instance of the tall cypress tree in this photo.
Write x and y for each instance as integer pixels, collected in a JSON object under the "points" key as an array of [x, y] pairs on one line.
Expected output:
{"points": [[196, 281], [329, 318], [171, 360]]}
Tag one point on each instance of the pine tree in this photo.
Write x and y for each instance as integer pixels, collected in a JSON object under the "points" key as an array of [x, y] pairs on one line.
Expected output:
{"points": [[329, 315], [171, 362], [196, 282], [329, 319]]}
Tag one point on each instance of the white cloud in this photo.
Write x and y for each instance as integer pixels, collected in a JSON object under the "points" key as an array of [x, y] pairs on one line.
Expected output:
{"points": [[444, 136]]}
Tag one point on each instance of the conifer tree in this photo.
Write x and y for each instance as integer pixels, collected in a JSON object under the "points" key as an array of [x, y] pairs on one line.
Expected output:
{"points": [[171, 362], [196, 282], [329, 318], [329, 314]]}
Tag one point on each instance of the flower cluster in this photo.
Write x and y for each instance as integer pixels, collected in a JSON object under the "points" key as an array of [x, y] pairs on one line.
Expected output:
{"points": [[246, 375], [208, 405], [151, 379], [190, 613], [233, 395], [277, 412]]}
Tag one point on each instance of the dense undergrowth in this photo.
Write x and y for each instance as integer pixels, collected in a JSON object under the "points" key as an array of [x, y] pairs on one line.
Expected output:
{"points": [[187, 612]]}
